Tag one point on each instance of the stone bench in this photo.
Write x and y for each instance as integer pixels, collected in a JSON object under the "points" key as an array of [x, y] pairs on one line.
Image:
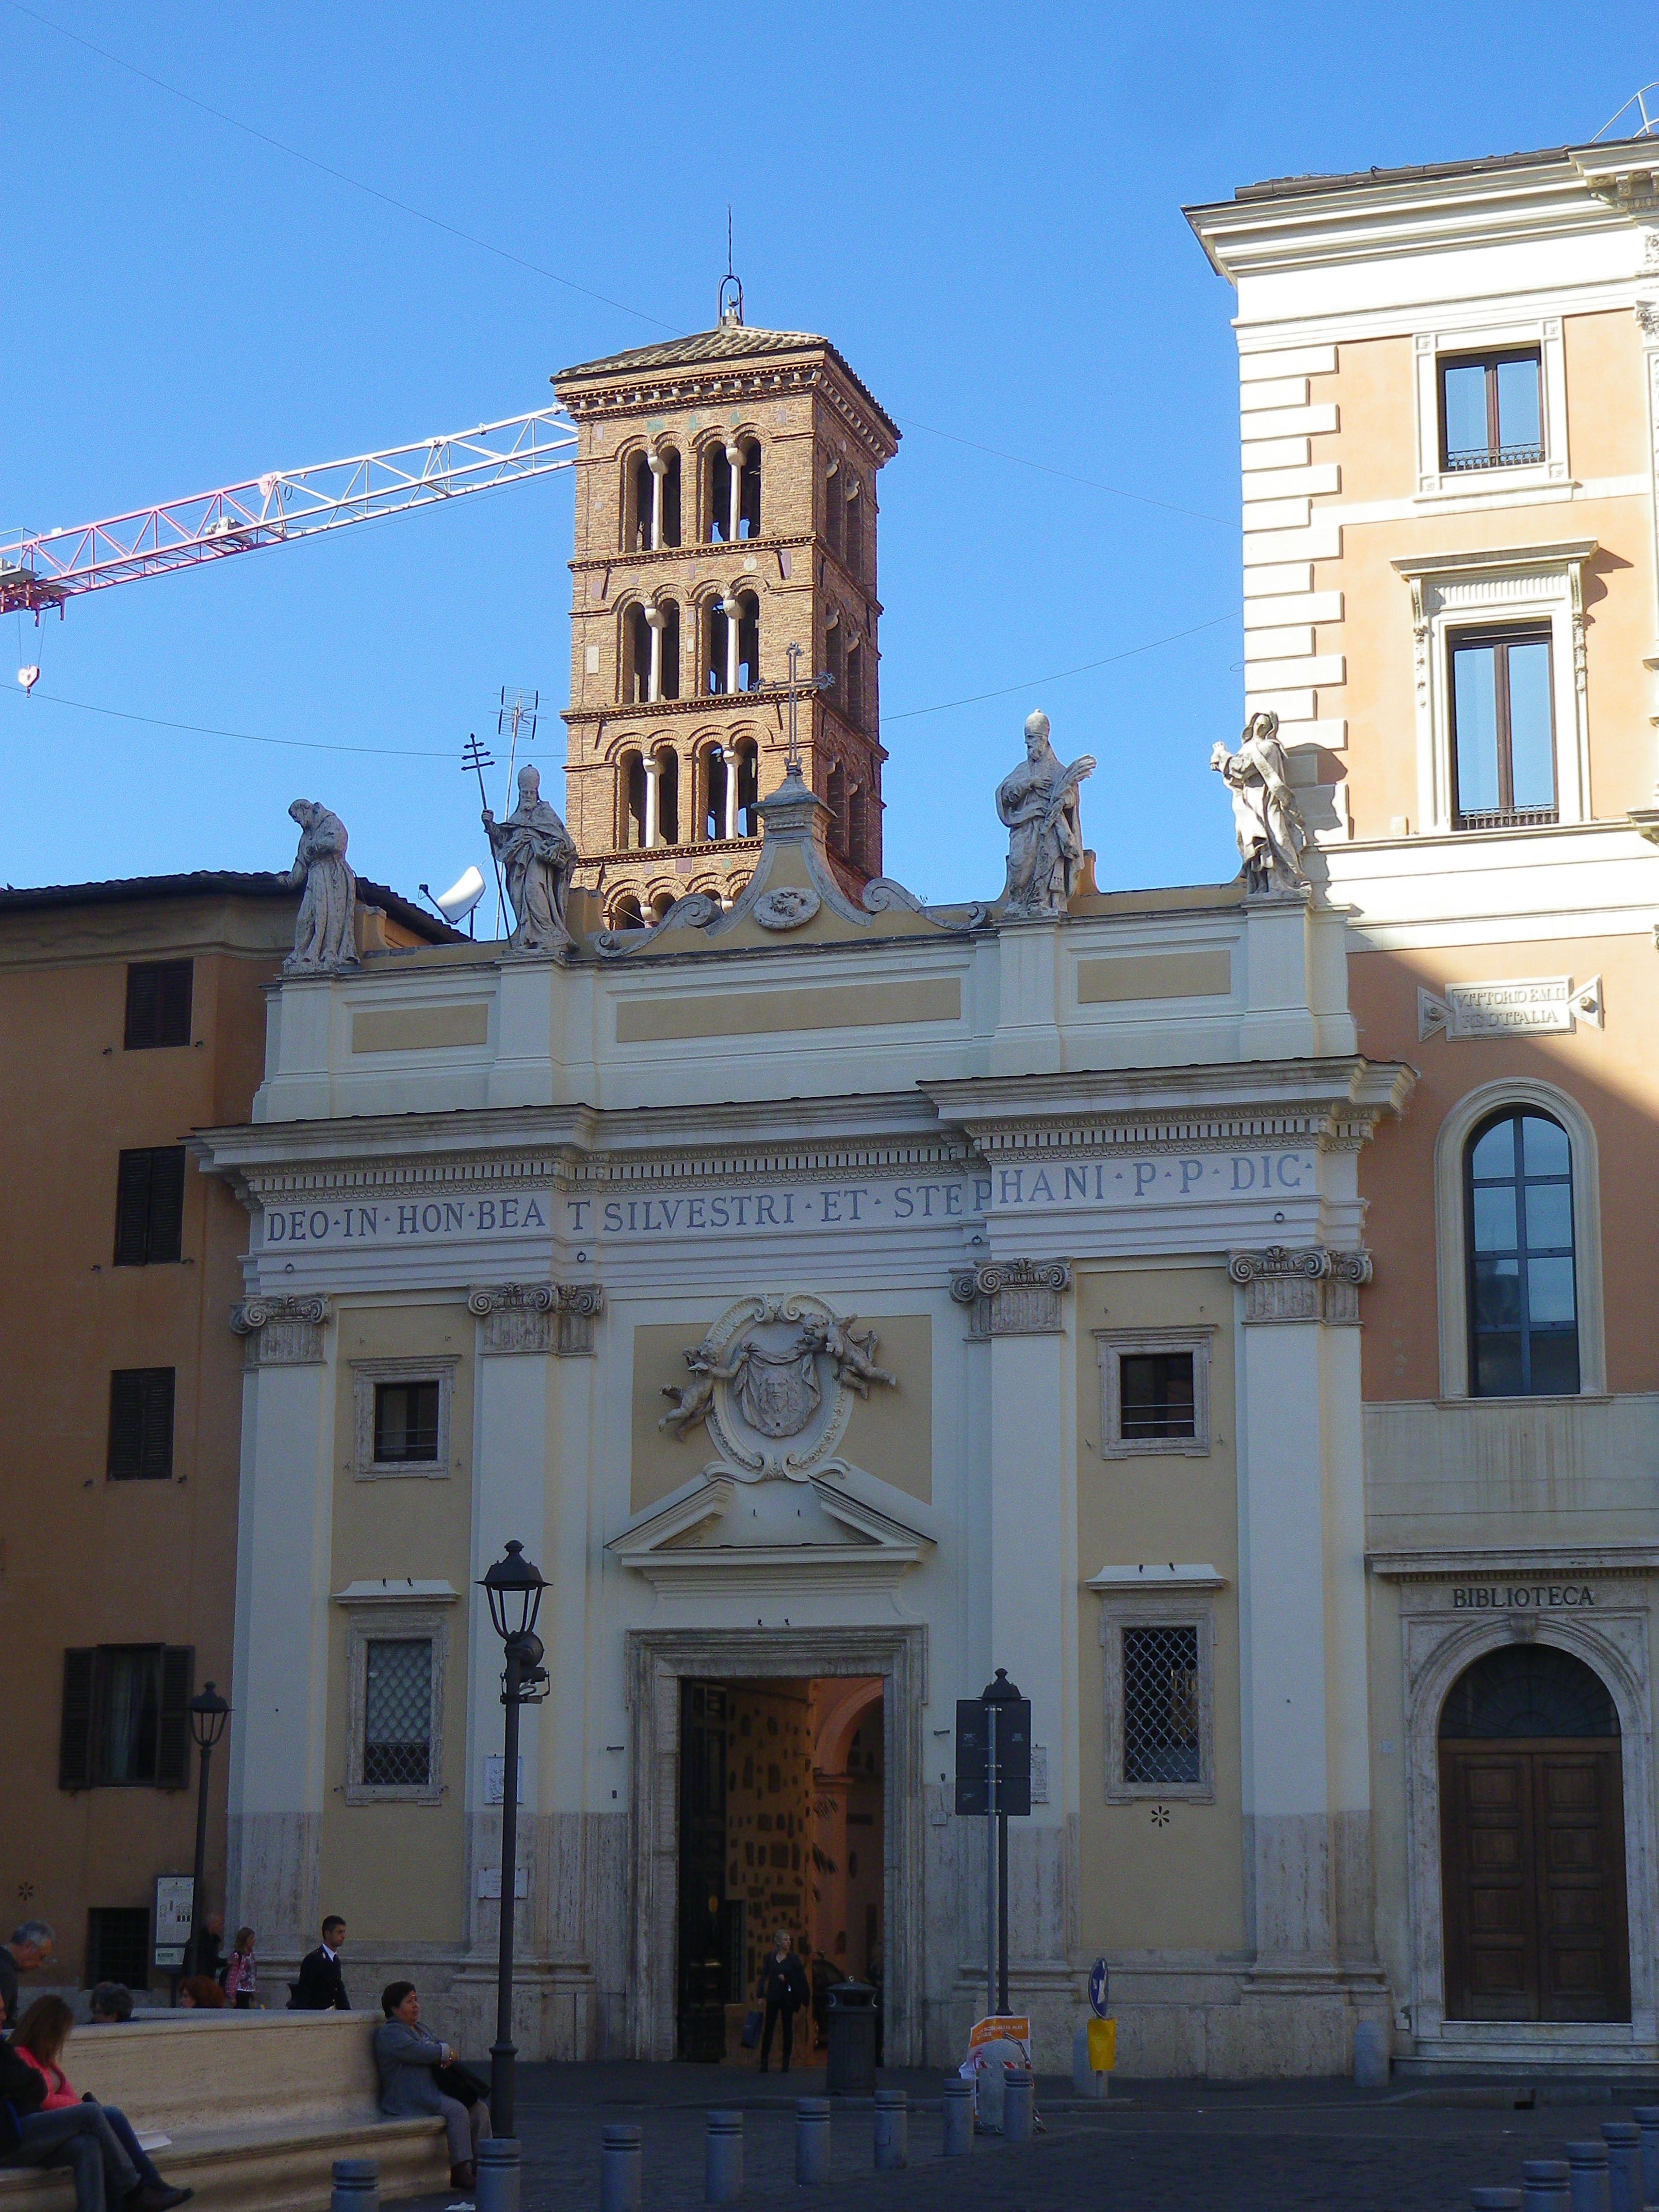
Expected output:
{"points": [[259, 2105]]}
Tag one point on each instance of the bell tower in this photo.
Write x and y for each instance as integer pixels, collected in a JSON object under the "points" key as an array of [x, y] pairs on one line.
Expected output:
{"points": [[725, 509]]}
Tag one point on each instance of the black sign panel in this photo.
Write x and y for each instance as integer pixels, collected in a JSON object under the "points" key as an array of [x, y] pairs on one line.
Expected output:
{"points": [[1013, 1755]]}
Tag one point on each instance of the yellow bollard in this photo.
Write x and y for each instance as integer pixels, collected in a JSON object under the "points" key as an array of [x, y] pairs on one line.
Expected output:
{"points": [[1102, 2045]]}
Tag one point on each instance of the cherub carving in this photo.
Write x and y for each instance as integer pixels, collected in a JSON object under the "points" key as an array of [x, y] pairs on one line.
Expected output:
{"points": [[693, 1400], [853, 1357]]}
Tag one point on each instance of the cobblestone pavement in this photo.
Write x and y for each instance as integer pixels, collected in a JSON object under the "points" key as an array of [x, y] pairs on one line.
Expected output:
{"points": [[1186, 2147]]}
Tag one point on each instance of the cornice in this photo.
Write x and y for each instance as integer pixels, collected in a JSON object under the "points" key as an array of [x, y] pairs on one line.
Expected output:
{"points": [[764, 377], [1529, 1562]]}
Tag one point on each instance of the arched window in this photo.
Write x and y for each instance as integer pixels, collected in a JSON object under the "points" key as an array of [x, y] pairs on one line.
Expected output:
{"points": [[632, 826], [661, 903], [1527, 1690], [625, 914], [852, 693], [748, 491], [716, 790], [748, 774], [1523, 1306], [638, 501], [835, 795], [854, 556], [858, 826], [668, 657], [835, 662], [668, 796], [636, 657], [670, 533], [651, 515], [835, 500], [717, 493], [732, 660]]}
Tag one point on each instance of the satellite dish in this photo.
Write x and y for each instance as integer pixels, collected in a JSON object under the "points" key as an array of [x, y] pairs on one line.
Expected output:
{"points": [[28, 677], [459, 901]]}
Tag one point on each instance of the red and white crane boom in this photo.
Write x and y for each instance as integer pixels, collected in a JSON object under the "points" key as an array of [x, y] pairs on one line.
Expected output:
{"points": [[46, 570]]}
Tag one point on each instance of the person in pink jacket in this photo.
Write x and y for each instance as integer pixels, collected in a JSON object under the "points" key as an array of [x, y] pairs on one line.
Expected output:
{"points": [[242, 1972]]}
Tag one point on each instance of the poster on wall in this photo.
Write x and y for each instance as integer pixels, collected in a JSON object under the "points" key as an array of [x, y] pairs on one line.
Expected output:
{"points": [[175, 1896]]}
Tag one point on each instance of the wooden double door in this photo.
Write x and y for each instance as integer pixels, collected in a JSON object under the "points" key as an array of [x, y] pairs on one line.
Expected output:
{"points": [[1533, 1866]]}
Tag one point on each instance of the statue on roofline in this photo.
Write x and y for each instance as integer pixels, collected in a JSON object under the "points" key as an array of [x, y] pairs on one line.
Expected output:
{"points": [[1039, 805], [539, 857], [325, 929], [1267, 820]]}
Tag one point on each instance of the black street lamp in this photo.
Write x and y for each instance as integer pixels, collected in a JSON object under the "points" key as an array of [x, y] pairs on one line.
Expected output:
{"points": [[513, 1586], [208, 1713]]}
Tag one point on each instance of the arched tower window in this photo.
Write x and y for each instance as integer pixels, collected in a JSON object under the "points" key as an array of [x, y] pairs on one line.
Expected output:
{"points": [[732, 662], [631, 828], [748, 791], [748, 491], [652, 514], [717, 793], [858, 826], [668, 652], [1523, 1306], [835, 500], [636, 657], [667, 765], [669, 532], [661, 903], [748, 674], [835, 661], [637, 504], [855, 534], [625, 914], [853, 692], [835, 795]]}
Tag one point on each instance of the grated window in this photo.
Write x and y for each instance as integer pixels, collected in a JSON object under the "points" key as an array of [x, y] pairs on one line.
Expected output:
{"points": [[397, 1714], [1160, 1705]]}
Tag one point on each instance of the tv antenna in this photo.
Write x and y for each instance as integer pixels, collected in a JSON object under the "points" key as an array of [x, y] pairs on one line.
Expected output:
{"points": [[728, 307], [477, 758], [1648, 125], [517, 716]]}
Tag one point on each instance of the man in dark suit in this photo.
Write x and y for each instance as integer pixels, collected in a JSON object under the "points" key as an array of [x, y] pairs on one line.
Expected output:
{"points": [[783, 1990], [321, 1986]]}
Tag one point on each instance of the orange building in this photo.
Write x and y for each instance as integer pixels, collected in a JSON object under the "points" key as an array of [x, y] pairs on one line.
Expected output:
{"points": [[131, 1012], [1449, 396]]}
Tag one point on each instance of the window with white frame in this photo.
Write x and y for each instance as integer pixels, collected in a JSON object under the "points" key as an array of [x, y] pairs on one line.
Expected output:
{"points": [[1155, 1391], [403, 1416], [1492, 409], [394, 1733], [1503, 736], [1160, 1697]]}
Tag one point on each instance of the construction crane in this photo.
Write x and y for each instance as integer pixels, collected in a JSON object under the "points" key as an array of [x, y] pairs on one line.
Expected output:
{"points": [[47, 570]]}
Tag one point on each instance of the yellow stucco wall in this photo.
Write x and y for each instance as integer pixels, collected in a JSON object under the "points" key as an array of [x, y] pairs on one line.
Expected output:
{"points": [[1143, 1885]]}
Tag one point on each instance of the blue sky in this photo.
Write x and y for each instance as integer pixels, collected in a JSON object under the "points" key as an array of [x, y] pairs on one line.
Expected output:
{"points": [[981, 205]]}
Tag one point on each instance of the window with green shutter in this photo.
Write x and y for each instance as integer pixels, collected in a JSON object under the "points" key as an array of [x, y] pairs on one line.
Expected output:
{"points": [[149, 1206], [140, 1424], [158, 1004], [126, 1718]]}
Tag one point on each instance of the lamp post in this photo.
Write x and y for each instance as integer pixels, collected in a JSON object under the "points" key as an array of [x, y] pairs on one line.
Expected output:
{"points": [[513, 1586], [208, 1713]]}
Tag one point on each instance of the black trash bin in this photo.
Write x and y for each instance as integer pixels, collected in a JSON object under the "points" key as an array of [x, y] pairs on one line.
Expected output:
{"points": [[851, 2068]]}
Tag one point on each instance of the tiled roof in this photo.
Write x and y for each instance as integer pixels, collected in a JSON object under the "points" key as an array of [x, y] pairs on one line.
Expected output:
{"points": [[212, 883], [1274, 188], [726, 341]]}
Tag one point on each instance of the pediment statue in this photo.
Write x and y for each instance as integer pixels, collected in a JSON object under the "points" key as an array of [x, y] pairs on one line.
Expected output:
{"points": [[325, 927], [537, 855], [1267, 820], [1039, 804]]}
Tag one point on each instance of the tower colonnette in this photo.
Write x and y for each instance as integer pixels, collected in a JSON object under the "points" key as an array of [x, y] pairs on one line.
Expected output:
{"points": [[726, 510]]}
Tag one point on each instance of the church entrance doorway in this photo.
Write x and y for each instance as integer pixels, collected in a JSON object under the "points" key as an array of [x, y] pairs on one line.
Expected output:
{"points": [[1533, 1841], [782, 1789]]}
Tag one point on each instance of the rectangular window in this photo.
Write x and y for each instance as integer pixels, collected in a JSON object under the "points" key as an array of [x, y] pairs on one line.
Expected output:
{"points": [[1156, 1394], [1161, 1737], [149, 1206], [397, 1713], [406, 1421], [1492, 411], [1503, 729], [158, 1003], [126, 1718], [118, 1945], [140, 1424]]}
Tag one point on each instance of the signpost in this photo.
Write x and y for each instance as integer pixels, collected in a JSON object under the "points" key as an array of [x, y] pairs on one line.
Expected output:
{"points": [[994, 1776], [175, 1916]]}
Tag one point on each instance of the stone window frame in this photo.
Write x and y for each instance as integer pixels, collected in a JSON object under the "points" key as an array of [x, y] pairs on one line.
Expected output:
{"points": [[383, 1620], [1451, 1232], [1431, 348], [365, 1374], [1158, 1609], [1113, 1343]]}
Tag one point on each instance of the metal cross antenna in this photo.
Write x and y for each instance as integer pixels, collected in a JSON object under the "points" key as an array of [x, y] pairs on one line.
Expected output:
{"points": [[792, 756], [517, 712], [478, 757]]}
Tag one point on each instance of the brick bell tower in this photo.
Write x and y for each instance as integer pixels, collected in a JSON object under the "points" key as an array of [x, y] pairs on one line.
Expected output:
{"points": [[725, 508]]}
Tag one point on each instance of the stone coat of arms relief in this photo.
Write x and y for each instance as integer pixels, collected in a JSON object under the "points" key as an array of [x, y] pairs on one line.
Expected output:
{"points": [[773, 1383]]}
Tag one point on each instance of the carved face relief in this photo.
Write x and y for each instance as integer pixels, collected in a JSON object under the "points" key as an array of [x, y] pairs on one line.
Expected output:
{"points": [[787, 907], [776, 1372]]}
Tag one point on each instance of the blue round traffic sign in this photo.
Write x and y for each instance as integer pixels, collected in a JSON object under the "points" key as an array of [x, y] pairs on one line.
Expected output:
{"points": [[1099, 1989]]}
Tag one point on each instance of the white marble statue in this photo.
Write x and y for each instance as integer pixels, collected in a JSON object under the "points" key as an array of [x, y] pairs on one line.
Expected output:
{"points": [[325, 930], [1039, 804], [1272, 834], [539, 857]]}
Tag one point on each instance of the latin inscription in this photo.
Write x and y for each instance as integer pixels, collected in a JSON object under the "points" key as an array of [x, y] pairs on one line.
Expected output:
{"points": [[1518, 1597], [1160, 1179]]}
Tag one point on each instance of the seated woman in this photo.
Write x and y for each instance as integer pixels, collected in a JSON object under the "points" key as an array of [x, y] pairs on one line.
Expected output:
{"points": [[112, 2005], [39, 2041], [409, 2061]]}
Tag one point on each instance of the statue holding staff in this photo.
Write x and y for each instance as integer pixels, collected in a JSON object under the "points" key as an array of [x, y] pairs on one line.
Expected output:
{"points": [[539, 858], [1039, 804]]}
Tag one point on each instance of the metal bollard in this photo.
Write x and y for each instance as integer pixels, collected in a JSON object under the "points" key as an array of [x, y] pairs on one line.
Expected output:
{"points": [[1623, 2141], [1586, 2177], [1018, 2103], [812, 2141], [621, 2160], [722, 2159], [959, 2138], [1544, 2185], [1495, 2200], [1647, 2118], [498, 2188], [892, 2129], [1373, 2054], [357, 2185]]}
